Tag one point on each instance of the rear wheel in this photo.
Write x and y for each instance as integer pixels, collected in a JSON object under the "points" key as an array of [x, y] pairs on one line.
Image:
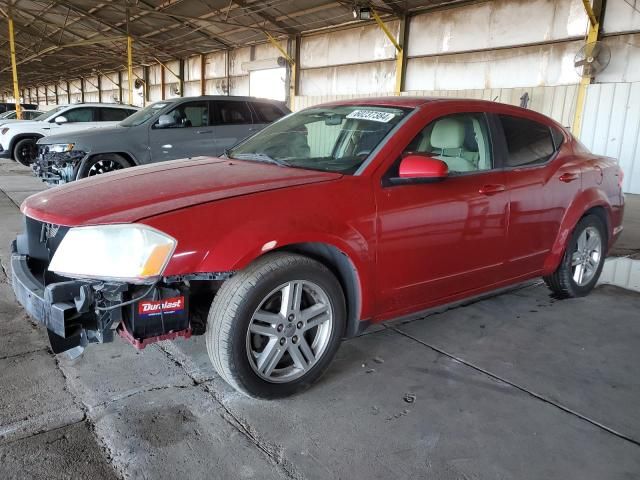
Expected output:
{"points": [[25, 151], [583, 260], [103, 164], [274, 328]]}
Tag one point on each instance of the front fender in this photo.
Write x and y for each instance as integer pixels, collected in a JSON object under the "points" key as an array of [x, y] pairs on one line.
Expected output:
{"points": [[583, 202]]}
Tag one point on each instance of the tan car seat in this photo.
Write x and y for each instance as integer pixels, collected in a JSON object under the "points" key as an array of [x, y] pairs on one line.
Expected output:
{"points": [[448, 136]]}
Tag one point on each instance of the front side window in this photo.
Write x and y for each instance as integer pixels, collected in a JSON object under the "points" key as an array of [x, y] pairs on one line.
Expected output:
{"points": [[85, 114], [141, 116], [461, 141], [333, 138], [233, 113], [186, 115], [528, 142]]}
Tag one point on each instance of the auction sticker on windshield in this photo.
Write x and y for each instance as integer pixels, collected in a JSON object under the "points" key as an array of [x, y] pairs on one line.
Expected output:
{"points": [[373, 115]]}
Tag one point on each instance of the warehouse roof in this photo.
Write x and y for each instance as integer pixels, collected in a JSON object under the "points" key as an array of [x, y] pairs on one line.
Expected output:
{"points": [[57, 39]]}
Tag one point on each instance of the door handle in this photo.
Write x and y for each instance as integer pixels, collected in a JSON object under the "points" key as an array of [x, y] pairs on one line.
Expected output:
{"points": [[492, 189], [204, 131], [568, 177]]}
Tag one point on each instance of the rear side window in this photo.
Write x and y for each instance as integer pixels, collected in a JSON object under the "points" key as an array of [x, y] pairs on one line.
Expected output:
{"points": [[267, 112], [528, 142], [233, 112], [83, 114], [113, 114]]}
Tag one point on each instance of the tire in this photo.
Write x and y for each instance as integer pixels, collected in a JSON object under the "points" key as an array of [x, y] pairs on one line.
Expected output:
{"points": [[245, 300], [581, 252], [100, 164], [25, 151]]}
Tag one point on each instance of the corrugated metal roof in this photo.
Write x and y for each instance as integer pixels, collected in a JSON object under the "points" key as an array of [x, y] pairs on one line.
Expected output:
{"points": [[58, 40]]}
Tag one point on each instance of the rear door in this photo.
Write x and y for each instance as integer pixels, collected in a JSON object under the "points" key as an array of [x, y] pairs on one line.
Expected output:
{"points": [[190, 135], [234, 121], [542, 178]]}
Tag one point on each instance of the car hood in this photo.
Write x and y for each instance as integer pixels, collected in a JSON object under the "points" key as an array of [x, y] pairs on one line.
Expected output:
{"points": [[135, 193], [83, 135]]}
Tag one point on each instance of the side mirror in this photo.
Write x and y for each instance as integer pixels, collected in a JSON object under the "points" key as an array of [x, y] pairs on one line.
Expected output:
{"points": [[61, 119], [416, 168], [165, 121]]}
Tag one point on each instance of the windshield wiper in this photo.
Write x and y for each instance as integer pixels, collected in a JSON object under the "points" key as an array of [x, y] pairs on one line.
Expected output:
{"points": [[260, 157]]}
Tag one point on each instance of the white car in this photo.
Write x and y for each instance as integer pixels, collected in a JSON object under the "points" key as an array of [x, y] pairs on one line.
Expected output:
{"points": [[10, 116], [18, 139]]}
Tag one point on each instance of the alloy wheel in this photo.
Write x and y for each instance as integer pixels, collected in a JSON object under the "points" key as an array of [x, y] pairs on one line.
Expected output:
{"points": [[290, 331], [103, 166], [586, 256]]}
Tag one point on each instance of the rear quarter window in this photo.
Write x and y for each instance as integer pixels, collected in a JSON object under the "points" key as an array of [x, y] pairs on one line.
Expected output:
{"points": [[528, 142]]}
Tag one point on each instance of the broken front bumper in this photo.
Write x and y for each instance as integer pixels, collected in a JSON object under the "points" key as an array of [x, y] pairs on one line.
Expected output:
{"points": [[66, 308]]}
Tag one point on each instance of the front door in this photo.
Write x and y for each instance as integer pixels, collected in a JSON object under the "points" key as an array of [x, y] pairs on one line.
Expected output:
{"points": [[441, 239], [188, 134]]}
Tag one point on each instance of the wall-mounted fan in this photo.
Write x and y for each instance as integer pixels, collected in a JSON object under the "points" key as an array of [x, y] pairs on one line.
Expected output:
{"points": [[592, 59]]}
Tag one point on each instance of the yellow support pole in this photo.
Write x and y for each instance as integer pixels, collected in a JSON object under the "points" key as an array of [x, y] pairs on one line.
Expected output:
{"points": [[399, 51], [14, 69], [130, 68], [592, 36]]}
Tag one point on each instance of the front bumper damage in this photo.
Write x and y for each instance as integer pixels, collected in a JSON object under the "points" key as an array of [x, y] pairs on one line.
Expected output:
{"points": [[79, 312], [57, 168]]}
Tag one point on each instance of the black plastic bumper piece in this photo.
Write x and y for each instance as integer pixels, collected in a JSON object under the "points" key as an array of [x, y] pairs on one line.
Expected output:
{"points": [[53, 305]]}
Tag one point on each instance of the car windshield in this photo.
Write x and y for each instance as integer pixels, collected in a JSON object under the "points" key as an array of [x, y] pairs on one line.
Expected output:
{"points": [[143, 115], [51, 112], [331, 138], [9, 114]]}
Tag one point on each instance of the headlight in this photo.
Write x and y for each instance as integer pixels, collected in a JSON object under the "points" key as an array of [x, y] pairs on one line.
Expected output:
{"points": [[61, 147], [133, 253]]}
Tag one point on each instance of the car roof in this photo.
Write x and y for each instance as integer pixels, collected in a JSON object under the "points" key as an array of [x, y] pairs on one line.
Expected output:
{"points": [[97, 104], [239, 98]]}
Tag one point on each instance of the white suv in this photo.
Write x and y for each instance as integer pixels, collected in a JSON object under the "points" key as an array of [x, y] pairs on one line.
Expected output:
{"points": [[18, 140]]}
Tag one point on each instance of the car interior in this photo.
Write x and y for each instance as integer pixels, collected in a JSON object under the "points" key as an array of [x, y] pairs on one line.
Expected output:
{"points": [[461, 141]]}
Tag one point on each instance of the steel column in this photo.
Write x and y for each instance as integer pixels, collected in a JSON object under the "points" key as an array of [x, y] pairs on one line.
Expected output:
{"points": [[400, 55], [14, 69], [130, 66]]}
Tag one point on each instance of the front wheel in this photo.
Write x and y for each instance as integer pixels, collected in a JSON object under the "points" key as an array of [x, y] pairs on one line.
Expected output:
{"points": [[583, 260], [25, 151], [100, 164], [274, 327]]}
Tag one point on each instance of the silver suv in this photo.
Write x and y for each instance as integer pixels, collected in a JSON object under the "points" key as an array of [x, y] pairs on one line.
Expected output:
{"points": [[166, 130]]}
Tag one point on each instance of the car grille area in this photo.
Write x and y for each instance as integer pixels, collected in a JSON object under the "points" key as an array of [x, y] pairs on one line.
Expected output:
{"points": [[56, 168]]}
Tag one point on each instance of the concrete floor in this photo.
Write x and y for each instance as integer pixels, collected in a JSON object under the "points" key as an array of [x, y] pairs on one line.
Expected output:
{"points": [[515, 386]]}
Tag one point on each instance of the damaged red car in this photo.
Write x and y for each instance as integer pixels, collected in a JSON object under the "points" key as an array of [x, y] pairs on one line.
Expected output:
{"points": [[329, 220]]}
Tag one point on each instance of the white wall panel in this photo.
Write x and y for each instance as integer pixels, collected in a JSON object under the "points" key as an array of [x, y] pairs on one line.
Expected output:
{"points": [[611, 126], [192, 89], [216, 86], [192, 69], [216, 65], [620, 16], [349, 79], [239, 85], [625, 59], [517, 67], [354, 45], [236, 58], [495, 24]]}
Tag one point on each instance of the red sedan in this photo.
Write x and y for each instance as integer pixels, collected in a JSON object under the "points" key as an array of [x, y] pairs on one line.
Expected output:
{"points": [[330, 219]]}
